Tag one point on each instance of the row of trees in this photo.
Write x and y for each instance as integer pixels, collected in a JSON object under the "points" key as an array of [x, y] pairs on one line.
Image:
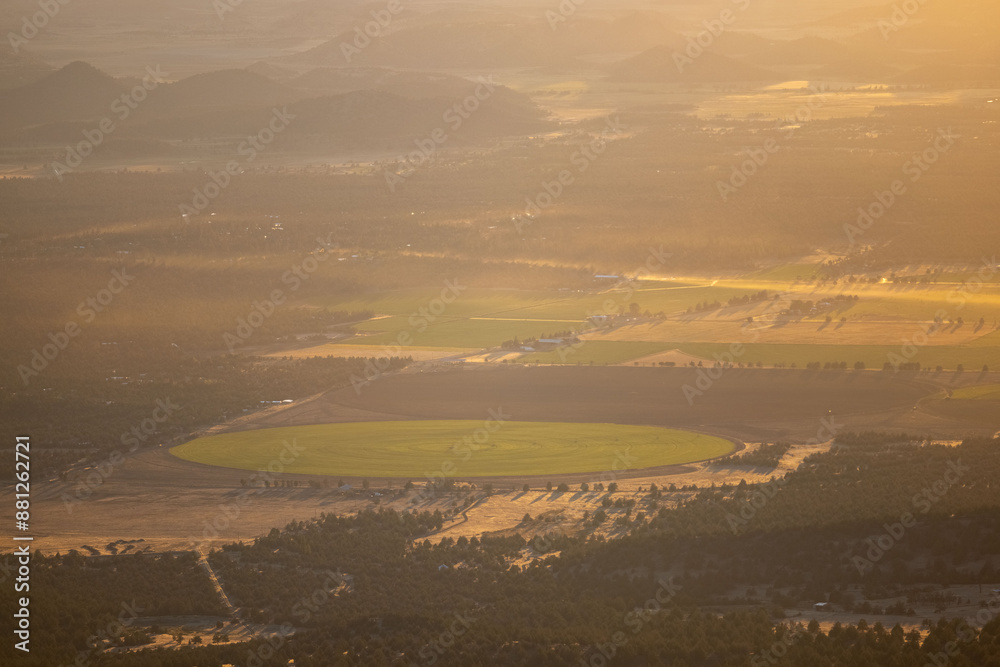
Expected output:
{"points": [[371, 588]]}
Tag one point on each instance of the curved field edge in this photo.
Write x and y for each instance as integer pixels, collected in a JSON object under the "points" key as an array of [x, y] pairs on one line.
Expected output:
{"points": [[453, 448], [985, 392]]}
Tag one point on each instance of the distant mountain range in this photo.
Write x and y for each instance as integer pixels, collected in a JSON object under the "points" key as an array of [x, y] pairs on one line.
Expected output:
{"points": [[488, 40], [400, 85], [664, 64], [353, 107], [75, 92]]}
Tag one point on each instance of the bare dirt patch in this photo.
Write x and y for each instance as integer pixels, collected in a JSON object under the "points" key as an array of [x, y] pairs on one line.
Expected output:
{"points": [[675, 357], [745, 404]]}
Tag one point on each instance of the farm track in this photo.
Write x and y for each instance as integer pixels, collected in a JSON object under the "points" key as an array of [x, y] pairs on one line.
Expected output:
{"points": [[203, 559]]}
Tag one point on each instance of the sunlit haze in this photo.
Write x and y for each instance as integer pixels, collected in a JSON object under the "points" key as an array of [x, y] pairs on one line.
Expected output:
{"points": [[570, 333]]}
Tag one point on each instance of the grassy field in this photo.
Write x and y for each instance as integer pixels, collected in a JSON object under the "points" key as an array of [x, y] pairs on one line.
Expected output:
{"points": [[597, 352], [423, 449], [454, 333], [877, 324], [986, 392], [469, 302], [486, 318], [347, 351], [601, 352], [532, 305], [731, 327], [787, 273], [880, 301], [873, 356]]}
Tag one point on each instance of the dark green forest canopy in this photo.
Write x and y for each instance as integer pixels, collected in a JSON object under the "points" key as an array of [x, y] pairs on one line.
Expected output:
{"points": [[371, 589]]}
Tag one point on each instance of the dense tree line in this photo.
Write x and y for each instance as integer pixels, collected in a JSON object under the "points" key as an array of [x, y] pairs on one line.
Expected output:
{"points": [[765, 456], [103, 409], [376, 588], [78, 603]]}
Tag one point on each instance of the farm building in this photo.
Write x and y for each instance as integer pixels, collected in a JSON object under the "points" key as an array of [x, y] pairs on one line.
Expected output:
{"points": [[553, 343]]}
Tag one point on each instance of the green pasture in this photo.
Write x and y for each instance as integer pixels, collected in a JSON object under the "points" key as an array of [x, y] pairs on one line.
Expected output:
{"points": [[432, 449], [597, 353], [453, 333], [873, 356], [986, 392], [484, 318]]}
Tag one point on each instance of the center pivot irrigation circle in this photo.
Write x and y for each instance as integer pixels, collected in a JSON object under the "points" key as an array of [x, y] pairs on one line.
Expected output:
{"points": [[418, 449]]}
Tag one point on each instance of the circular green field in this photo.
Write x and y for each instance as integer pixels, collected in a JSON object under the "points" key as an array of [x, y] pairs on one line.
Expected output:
{"points": [[419, 449]]}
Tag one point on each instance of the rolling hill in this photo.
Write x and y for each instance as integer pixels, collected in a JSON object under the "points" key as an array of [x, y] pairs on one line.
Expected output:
{"points": [[78, 91], [668, 65], [223, 89], [358, 119]]}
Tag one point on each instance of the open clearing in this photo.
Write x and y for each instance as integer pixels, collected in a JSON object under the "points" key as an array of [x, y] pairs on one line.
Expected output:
{"points": [[336, 350], [986, 392], [597, 351], [210, 506], [717, 329], [878, 322], [480, 332], [418, 449], [745, 404]]}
